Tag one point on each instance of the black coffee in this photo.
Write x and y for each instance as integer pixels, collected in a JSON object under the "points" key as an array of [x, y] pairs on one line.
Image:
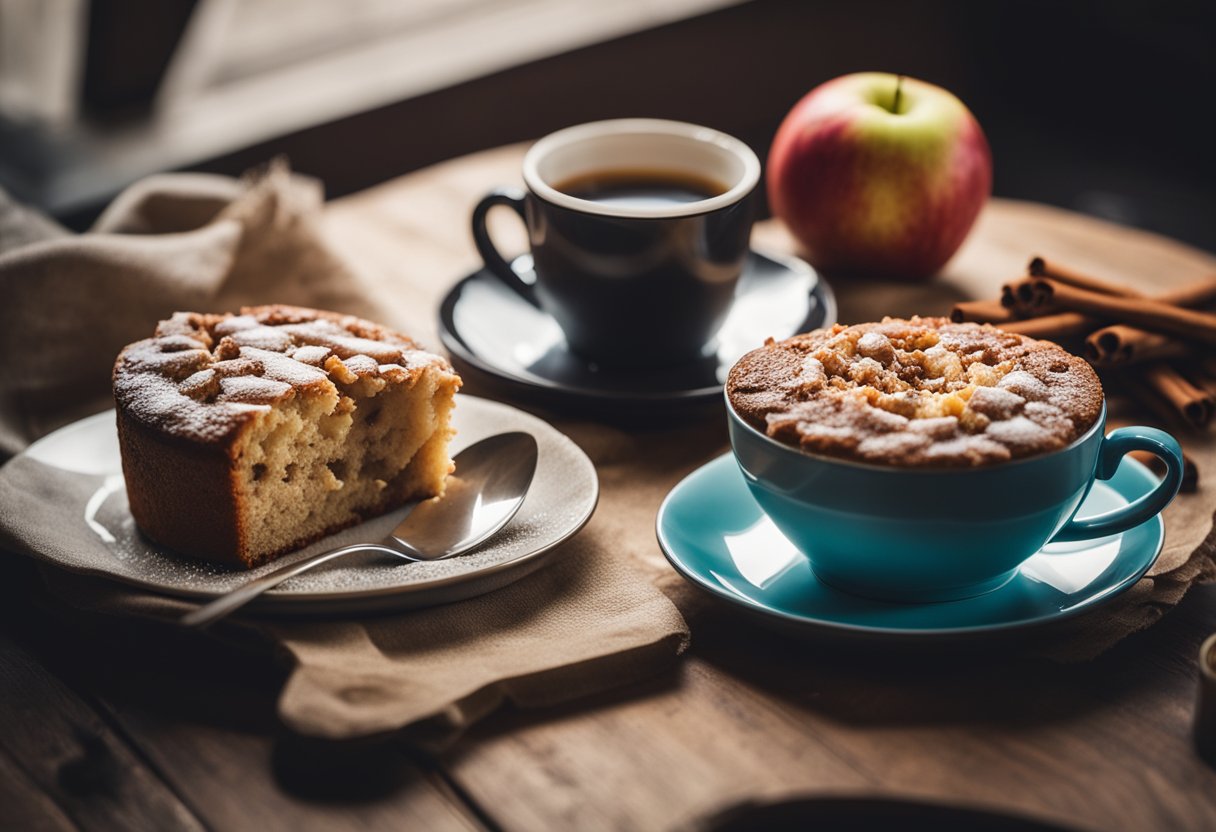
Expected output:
{"points": [[641, 188]]}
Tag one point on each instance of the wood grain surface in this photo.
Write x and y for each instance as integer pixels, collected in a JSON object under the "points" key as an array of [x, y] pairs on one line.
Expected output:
{"points": [[1098, 745], [116, 724]]}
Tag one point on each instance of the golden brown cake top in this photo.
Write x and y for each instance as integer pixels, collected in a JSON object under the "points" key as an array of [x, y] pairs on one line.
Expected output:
{"points": [[924, 392], [202, 376]]}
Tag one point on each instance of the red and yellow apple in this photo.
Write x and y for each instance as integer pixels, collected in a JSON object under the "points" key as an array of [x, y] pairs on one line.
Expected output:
{"points": [[879, 174]]}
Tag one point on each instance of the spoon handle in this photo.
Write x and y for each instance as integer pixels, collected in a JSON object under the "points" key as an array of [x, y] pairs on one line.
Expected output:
{"points": [[227, 604]]}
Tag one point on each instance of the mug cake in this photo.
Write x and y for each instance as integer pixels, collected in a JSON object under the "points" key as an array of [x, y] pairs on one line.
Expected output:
{"points": [[924, 392]]}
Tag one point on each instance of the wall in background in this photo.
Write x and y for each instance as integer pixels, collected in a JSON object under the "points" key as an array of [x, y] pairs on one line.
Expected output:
{"points": [[1104, 107]]}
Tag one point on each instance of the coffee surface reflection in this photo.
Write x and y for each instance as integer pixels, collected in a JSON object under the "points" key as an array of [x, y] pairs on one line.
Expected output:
{"points": [[641, 188]]}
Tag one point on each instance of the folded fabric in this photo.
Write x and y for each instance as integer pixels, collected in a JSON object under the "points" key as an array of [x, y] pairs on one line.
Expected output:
{"points": [[181, 241], [582, 625]]}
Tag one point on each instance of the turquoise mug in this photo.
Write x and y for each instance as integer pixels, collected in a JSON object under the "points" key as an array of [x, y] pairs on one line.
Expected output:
{"points": [[917, 535]]}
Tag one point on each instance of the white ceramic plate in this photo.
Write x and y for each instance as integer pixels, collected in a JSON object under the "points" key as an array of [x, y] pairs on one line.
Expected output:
{"points": [[560, 502]]}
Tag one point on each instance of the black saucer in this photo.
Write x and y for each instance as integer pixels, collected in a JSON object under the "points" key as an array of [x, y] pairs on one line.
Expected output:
{"points": [[487, 327]]}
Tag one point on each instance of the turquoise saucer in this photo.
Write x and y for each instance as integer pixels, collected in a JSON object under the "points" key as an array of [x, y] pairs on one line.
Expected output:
{"points": [[716, 536]]}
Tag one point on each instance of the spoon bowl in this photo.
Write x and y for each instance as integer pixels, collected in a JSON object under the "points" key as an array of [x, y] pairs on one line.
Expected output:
{"points": [[488, 487], [491, 480]]}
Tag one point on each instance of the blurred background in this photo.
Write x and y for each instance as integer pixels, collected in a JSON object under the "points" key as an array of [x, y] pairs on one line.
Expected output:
{"points": [[1104, 107]]}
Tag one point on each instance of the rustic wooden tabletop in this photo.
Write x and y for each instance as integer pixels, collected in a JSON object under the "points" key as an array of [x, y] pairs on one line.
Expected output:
{"points": [[117, 724]]}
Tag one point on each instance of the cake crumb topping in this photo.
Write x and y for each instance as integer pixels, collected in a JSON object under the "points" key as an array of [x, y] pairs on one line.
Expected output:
{"points": [[916, 393], [203, 376]]}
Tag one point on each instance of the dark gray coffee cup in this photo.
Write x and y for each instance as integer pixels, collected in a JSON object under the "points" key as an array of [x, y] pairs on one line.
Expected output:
{"points": [[631, 284]]}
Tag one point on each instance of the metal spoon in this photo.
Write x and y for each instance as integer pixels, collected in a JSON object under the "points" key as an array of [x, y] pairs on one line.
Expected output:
{"points": [[491, 480]]}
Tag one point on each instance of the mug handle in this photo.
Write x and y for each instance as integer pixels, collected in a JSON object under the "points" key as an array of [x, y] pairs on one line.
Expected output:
{"points": [[495, 262], [1114, 446]]}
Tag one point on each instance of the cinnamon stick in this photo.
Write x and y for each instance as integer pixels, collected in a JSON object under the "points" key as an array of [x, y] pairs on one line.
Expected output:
{"points": [[1120, 344], [1147, 397], [1041, 267], [1190, 471], [1053, 327], [1192, 295], [1199, 293], [980, 311], [1025, 297], [1204, 378], [1193, 405], [1146, 313], [1130, 344]]}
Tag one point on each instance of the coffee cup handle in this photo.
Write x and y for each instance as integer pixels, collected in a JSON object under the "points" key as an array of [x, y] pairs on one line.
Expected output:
{"points": [[1114, 446], [495, 262]]}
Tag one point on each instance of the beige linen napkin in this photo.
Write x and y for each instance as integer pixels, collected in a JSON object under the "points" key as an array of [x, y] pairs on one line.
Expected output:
{"points": [[582, 625], [585, 623], [180, 241]]}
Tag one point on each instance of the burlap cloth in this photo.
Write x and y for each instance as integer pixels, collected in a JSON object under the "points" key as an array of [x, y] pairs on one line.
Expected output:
{"points": [[586, 623]]}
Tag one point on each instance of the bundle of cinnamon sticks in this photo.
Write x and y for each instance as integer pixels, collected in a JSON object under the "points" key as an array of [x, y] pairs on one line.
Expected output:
{"points": [[1162, 348]]}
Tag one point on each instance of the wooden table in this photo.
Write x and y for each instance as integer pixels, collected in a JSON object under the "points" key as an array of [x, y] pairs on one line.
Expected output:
{"points": [[113, 724]]}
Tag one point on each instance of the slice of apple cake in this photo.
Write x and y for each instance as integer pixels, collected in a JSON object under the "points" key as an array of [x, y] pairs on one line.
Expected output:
{"points": [[246, 436]]}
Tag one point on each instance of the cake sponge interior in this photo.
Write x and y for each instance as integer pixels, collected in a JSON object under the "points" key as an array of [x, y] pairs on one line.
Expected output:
{"points": [[321, 461]]}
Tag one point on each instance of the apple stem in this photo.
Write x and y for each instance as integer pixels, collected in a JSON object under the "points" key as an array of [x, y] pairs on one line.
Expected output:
{"points": [[899, 88]]}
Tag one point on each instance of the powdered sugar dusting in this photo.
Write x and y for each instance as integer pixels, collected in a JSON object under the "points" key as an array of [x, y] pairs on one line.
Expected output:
{"points": [[343, 343], [203, 377], [284, 368], [363, 365], [995, 403], [253, 390], [314, 355], [264, 338], [1025, 385], [161, 402]]}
